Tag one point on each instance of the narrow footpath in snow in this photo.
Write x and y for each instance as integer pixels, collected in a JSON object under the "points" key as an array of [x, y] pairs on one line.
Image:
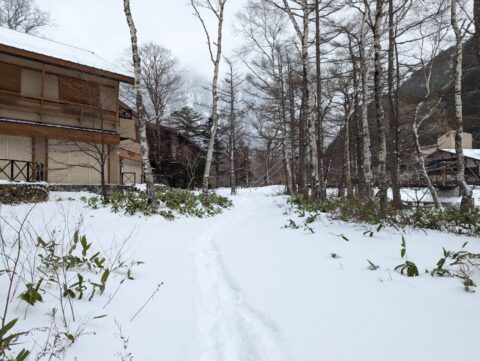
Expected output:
{"points": [[229, 328]]}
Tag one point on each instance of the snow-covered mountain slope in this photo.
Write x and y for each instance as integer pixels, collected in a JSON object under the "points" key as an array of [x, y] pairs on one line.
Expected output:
{"points": [[240, 287]]}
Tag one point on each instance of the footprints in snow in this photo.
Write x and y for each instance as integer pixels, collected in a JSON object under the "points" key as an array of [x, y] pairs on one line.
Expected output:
{"points": [[229, 329]]}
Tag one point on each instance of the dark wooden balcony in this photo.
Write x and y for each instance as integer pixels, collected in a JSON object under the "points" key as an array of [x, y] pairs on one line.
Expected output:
{"points": [[19, 170]]}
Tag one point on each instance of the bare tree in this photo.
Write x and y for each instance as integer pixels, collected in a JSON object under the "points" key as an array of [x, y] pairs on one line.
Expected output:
{"points": [[284, 131], [320, 6], [217, 8], [22, 15], [303, 33], [230, 95], [191, 165], [364, 55], [137, 62], [394, 18], [97, 152], [344, 83], [161, 83], [264, 54], [268, 130], [425, 109]]}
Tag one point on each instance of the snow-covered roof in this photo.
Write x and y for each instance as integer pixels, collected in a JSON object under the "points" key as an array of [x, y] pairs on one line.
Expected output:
{"points": [[57, 50], [468, 153]]}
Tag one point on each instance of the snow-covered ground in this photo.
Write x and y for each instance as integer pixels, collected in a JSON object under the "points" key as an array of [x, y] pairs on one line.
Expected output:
{"points": [[240, 287]]}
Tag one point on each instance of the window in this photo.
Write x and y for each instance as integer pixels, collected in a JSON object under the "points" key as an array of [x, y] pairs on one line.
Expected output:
{"points": [[31, 83], [10, 76]]}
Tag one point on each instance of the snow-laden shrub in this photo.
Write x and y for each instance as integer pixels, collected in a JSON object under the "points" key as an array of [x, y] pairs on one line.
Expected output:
{"points": [[20, 192], [366, 211], [448, 219], [172, 201]]}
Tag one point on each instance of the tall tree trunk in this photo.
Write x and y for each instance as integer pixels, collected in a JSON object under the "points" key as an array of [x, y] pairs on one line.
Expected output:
{"points": [[137, 63], [283, 116], [394, 148], [297, 184], [247, 167], [357, 122], [311, 115], [213, 130], [302, 182], [158, 155], [365, 75], [309, 100], [476, 19], [347, 160], [267, 162], [320, 133], [216, 59], [467, 203], [382, 144], [233, 176]]}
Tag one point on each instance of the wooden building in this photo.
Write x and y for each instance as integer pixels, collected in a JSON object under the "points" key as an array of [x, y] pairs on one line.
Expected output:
{"points": [[60, 114], [181, 158], [441, 161]]}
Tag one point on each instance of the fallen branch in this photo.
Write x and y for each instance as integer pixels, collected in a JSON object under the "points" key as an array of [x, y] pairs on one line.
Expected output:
{"points": [[147, 302]]}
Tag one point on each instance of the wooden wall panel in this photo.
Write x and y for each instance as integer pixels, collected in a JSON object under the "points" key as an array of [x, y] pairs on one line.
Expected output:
{"points": [[69, 163], [78, 91], [131, 166], [15, 148]]}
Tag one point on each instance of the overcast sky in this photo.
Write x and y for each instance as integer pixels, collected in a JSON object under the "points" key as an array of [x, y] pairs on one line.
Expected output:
{"points": [[100, 26]]}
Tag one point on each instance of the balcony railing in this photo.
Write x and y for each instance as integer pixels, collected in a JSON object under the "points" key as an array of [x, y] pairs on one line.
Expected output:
{"points": [[129, 178], [19, 170]]}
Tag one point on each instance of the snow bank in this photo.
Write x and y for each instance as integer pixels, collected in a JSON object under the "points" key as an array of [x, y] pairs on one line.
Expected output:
{"points": [[239, 287]]}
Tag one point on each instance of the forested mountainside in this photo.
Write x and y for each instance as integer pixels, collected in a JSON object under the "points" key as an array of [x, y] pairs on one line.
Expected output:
{"points": [[411, 92]]}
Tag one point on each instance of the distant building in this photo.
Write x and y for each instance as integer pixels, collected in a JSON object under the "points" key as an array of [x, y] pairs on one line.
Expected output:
{"points": [[181, 158], [441, 161], [56, 101]]}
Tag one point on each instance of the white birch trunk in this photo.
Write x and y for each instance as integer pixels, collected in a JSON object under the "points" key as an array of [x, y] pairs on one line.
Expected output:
{"points": [[320, 140], [347, 162], [382, 143], [283, 115], [137, 63], [416, 124], [311, 115], [303, 35], [467, 203], [365, 74], [216, 59], [233, 177]]}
